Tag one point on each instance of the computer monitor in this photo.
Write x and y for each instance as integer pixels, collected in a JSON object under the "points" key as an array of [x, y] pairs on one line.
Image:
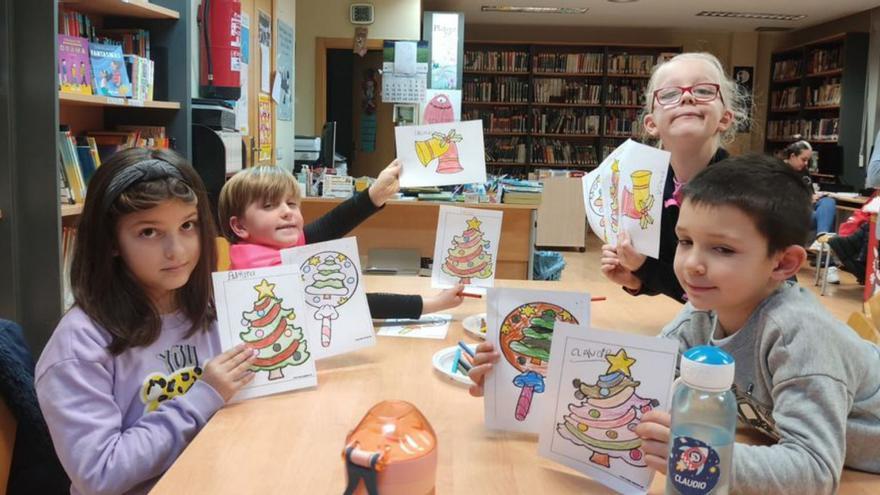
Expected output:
{"points": [[328, 145]]}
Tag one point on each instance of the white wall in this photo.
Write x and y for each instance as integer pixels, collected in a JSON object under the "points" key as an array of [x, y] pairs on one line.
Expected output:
{"points": [[394, 19]]}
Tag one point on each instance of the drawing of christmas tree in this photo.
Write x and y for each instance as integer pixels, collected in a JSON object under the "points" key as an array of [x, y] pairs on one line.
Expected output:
{"points": [[606, 416], [271, 331], [468, 257], [526, 334], [330, 279]]}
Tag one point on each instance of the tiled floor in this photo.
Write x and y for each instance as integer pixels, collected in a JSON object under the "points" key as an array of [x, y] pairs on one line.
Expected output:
{"points": [[841, 299]]}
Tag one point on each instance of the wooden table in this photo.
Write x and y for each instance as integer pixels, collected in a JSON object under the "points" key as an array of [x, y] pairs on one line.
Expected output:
{"points": [[413, 224], [292, 443]]}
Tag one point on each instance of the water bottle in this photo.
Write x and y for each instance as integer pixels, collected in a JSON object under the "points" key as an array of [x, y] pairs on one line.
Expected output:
{"points": [[703, 424]]}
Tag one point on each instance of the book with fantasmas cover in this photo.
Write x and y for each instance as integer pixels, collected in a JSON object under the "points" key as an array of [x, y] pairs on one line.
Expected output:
{"points": [[108, 69]]}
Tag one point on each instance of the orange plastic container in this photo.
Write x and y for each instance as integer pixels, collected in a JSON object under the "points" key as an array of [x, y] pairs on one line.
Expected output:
{"points": [[395, 440]]}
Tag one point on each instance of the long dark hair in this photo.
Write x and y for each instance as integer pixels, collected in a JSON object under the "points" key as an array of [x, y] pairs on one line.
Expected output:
{"points": [[103, 287]]}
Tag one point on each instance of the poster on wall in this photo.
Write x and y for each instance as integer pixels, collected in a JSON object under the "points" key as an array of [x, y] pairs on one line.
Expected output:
{"points": [[265, 131], [744, 76], [265, 51], [446, 48], [404, 71], [284, 70], [241, 106]]}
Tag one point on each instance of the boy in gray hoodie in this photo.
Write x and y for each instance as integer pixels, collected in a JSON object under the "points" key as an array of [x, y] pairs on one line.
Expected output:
{"points": [[803, 378]]}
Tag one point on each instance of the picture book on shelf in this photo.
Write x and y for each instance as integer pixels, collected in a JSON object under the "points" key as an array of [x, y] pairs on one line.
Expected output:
{"points": [[108, 68], [74, 74]]}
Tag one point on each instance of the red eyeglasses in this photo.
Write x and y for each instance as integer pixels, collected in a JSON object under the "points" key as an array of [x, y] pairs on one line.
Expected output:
{"points": [[672, 95]]}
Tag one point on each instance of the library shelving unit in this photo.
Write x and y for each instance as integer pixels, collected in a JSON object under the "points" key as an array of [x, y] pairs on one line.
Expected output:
{"points": [[817, 90], [30, 254], [555, 104]]}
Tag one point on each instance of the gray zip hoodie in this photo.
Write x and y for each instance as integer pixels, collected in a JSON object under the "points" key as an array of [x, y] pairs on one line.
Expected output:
{"points": [[804, 379]]}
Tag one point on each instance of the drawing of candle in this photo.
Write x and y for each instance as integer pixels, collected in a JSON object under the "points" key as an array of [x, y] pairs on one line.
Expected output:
{"points": [[638, 202], [615, 203]]}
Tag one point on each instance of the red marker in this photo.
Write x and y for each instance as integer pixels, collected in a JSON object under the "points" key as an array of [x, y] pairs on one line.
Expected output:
{"points": [[468, 294], [598, 298]]}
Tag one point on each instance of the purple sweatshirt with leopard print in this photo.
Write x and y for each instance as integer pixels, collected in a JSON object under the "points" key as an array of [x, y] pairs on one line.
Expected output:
{"points": [[118, 422]]}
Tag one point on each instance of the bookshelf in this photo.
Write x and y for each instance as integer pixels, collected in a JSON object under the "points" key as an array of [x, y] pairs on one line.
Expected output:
{"points": [[817, 90], [569, 104], [33, 219]]}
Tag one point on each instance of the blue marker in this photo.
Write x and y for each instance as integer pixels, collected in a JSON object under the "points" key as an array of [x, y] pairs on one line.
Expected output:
{"points": [[455, 361], [466, 349]]}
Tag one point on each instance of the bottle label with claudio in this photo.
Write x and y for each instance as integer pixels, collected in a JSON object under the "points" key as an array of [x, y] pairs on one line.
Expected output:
{"points": [[693, 466]]}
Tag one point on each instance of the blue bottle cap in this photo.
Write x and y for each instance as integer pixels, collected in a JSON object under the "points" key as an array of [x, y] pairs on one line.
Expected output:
{"points": [[707, 368]]}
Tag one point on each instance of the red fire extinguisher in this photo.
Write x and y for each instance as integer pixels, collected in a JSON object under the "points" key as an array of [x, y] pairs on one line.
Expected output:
{"points": [[220, 49]]}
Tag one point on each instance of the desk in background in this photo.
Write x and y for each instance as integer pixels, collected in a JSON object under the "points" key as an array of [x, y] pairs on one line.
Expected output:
{"points": [[413, 224], [292, 443]]}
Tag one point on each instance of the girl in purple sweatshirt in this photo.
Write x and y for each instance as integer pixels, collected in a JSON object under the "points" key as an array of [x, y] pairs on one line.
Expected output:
{"points": [[134, 370]]}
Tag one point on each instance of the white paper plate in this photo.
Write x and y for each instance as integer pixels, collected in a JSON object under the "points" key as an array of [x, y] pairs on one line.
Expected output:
{"points": [[442, 362], [472, 325]]}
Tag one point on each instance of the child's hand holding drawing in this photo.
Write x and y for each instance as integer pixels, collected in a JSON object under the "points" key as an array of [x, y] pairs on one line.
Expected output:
{"points": [[445, 299], [229, 372], [615, 271], [629, 258], [484, 359], [386, 185], [654, 432]]}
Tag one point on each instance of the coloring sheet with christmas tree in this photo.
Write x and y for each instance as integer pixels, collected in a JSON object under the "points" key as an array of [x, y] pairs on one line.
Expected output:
{"points": [[441, 154], [264, 308], [466, 249], [521, 327], [600, 385], [338, 318], [643, 171]]}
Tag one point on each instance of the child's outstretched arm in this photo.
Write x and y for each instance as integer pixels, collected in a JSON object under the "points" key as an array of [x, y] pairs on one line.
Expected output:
{"points": [[485, 358], [77, 398], [353, 211], [387, 184], [445, 299]]}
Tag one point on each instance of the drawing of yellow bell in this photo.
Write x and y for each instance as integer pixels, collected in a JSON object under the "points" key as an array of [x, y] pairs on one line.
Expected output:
{"points": [[430, 149]]}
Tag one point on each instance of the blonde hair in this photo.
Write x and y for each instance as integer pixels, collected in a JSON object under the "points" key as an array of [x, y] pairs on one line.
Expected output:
{"points": [[735, 99], [265, 183]]}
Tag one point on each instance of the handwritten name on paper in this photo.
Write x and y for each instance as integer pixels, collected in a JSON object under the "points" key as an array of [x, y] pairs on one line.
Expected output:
{"points": [[582, 354], [241, 274]]}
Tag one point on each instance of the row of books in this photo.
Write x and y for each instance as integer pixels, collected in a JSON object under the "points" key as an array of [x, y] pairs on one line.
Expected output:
{"points": [[500, 61], [622, 122], [810, 129], [637, 65], [823, 60], [566, 121], [566, 91], [511, 150], [826, 94], [785, 99], [556, 151], [498, 119], [521, 192], [609, 146], [95, 68], [626, 92], [570, 63], [73, 23], [503, 89], [786, 69], [79, 157]]}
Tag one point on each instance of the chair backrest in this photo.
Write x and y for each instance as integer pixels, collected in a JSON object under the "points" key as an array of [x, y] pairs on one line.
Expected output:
{"points": [[8, 427], [862, 326], [222, 254]]}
